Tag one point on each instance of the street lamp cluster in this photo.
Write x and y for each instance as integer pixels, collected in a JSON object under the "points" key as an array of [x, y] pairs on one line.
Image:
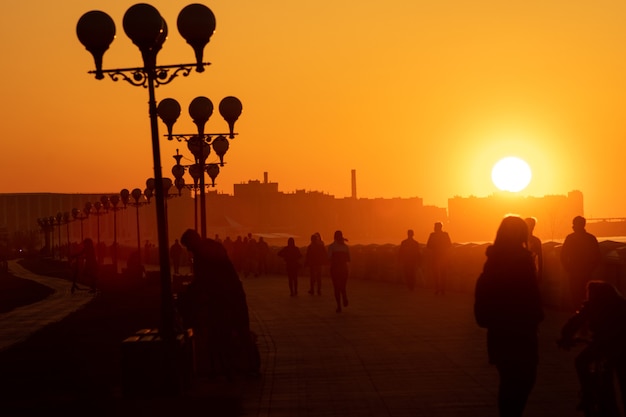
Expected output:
{"points": [[200, 143], [47, 225], [147, 29]]}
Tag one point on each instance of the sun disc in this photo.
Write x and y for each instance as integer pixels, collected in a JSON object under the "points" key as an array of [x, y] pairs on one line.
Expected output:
{"points": [[511, 174]]}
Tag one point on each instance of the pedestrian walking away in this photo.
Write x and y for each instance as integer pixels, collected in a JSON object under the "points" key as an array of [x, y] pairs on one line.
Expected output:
{"points": [[438, 247], [315, 258], [410, 258], [292, 255], [339, 256], [580, 255], [176, 251]]}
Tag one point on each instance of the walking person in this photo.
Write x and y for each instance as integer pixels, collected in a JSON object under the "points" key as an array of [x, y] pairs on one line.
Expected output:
{"points": [[508, 304], [262, 253], [580, 255], [251, 257], [176, 251], [438, 247], [292, 255], [339, 256], [410, 258], [315, 258], [535, 246]]}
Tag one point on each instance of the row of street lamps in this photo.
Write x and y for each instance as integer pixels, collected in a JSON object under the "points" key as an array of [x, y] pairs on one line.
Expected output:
{"points": [[105, 205]]}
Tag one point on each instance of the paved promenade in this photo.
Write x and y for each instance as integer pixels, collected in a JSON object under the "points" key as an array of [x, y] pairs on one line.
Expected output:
{"points": [[390, 353], [16, 325]]}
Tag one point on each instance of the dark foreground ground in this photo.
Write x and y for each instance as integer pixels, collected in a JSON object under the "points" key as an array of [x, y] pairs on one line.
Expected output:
{"points": [[391, 353], [70, 367], [16, 292]]}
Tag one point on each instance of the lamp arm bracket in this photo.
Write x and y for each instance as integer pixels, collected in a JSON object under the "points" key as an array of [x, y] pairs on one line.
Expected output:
{"points": [[138, 76]]}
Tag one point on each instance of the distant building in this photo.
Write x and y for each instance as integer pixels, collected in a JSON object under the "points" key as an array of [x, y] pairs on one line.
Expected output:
{"points": [[474, 219]]}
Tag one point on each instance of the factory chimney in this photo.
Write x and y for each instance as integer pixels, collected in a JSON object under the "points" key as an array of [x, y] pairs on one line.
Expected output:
{"points": [[354, 184]]}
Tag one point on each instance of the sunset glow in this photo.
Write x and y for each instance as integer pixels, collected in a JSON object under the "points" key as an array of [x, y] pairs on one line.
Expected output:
{"points": [[395, 92]]}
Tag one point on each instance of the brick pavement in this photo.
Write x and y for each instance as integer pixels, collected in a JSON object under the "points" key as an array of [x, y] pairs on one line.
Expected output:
{"points": [[390, 353]]}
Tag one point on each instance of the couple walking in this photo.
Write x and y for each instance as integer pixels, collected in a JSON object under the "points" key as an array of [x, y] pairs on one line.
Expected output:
{"points": [[337, 254]]}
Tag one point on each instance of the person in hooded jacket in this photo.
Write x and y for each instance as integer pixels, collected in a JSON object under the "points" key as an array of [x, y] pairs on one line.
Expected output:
{"points": [[214, 305], [508, 305], [602, 316]]}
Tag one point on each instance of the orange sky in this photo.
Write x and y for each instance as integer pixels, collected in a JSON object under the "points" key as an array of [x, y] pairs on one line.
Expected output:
{"points": [[420, 97]]}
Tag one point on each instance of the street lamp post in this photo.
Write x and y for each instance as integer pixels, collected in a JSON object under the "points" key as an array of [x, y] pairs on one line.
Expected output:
{"points": [[98, 206], [59, 219], [137, 195], [111, 204], [67, 220], [200, 110], [77, 214], [63, 219], [46, 228], [196, 172], [148, 30], [51, 222]]}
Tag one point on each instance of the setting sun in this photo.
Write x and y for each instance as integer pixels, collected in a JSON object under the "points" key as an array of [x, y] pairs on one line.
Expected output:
{"points": [[511, 174]]}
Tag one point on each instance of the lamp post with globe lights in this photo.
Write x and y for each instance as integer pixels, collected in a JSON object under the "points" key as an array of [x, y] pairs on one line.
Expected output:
{"points": [[63, 219], [111, 204], [138, 201], [59, 220], [197, 173], [47, 227], [81, 215], [67, 220], [200, 143], [97, 206], [148, 31], [49, 223]]}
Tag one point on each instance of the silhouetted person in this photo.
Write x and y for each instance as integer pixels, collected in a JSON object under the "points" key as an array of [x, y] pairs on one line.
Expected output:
{"points": [[410, 258], [229, 246], [263, 251], [438, 247], [508, 305], [535, 246], [239, 248], [251, 257], [315, 258], [215, 306], [603, 314], [580, 255], [86, 266], [176, 251], [291, 255], [339, 256]]}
